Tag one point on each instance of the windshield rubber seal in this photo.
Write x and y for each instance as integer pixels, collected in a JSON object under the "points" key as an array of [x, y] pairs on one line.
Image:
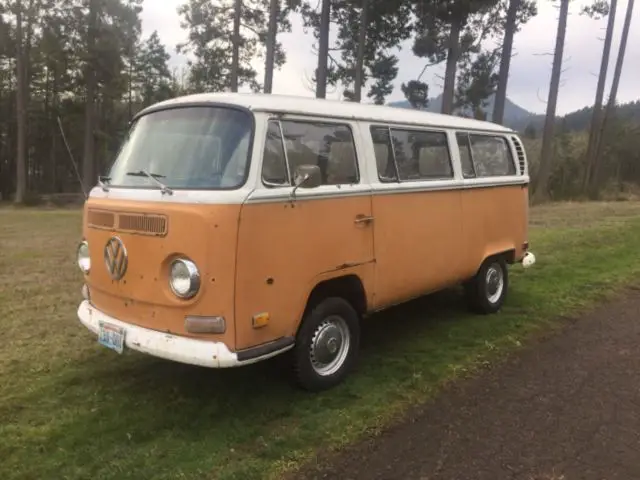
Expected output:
{"points": [[199, 104]]}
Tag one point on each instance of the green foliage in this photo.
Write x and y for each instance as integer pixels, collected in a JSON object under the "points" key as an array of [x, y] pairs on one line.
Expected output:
{"points": [[74, 410], [479, 20], [388, 25], [477, 81], [130, 73], [416, 93], [151, 78], [596, 10], [621, 166], [210, 39]]}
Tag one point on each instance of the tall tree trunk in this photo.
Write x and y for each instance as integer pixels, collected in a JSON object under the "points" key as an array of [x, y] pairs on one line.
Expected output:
{"points": [[596, 116], [540, 190], [21, 110], [362, 39], [272, 36], [53, 180], [130, 87], [31, 19], [505, 62], [89, 164], [323, 50], [453, 52], [596, 181], [235, 52]]}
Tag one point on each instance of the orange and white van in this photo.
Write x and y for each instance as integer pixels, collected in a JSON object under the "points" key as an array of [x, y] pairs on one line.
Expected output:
{"points": [[235, 227]]}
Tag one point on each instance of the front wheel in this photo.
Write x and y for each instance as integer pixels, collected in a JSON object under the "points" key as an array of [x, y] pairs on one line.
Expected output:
{"points": [[486, 292], [326, 345]]}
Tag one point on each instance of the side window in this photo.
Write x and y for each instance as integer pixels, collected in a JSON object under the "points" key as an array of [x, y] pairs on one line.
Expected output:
{"points": [[421, 155], [384, 154], [465, 155], [274, 163], [329, 146], [491, 156]]}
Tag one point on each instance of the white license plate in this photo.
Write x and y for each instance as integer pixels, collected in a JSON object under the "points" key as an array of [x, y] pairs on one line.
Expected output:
{"points": [[111, 336]]}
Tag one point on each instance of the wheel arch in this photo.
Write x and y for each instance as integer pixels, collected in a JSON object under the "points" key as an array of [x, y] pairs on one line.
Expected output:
{"points": [[349, 287]]}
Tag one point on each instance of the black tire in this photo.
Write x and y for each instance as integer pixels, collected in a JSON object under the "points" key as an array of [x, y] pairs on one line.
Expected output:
{"points": [[482, 291], [331, 319]]}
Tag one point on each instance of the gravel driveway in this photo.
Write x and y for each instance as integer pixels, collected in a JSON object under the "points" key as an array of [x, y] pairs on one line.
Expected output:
{"points": [[566, 407]]}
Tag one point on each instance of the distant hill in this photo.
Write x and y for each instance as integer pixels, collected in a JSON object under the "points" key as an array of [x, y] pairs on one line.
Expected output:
{"points": [[520, 118], [515, 116], [580, 119]]}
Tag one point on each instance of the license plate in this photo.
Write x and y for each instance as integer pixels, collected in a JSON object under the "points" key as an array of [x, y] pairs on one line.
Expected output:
{"points": [[111, 336]]}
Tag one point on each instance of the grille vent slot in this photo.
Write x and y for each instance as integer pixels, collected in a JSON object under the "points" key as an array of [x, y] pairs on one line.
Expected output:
{"points": [[137, 223], [101, 219], [144, 224]]}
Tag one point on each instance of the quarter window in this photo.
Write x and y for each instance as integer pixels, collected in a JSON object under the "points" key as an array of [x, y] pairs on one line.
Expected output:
{"points": [[466, 160], [384, 154], [491, 156], [274, 163], [329, 146]]}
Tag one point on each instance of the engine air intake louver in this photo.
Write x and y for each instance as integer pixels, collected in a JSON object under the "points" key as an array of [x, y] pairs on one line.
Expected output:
{"points": [[521, 156]]}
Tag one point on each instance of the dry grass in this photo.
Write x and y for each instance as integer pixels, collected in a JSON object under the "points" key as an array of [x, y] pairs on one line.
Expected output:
{"points": [[582, 214]]}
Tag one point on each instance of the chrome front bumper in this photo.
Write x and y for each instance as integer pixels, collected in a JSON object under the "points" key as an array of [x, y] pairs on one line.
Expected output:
{"points": [[177, 348]]}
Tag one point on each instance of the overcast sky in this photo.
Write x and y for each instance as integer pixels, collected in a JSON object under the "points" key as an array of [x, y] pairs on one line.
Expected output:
{"points": [[530, 67]]}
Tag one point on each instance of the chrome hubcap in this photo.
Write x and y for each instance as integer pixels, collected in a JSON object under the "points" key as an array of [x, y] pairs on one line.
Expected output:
{"points": [[330, 346], [495, 283]]}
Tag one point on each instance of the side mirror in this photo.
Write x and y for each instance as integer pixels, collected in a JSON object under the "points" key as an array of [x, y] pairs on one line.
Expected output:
{"points": [[307, 176]]}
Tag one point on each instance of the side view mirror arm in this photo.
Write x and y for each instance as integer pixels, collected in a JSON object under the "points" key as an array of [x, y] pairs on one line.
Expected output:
{"points": [[302, 181]]}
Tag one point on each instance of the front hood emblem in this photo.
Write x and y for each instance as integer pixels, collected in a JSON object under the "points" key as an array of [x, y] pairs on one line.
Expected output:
{"points": [[116, 258]]}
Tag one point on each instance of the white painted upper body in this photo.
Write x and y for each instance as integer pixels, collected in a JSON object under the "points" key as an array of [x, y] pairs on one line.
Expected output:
{"points": [[359, 117]]}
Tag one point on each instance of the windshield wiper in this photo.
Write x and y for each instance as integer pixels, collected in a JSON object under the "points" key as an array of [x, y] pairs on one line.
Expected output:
{"points": [[154, 177]]}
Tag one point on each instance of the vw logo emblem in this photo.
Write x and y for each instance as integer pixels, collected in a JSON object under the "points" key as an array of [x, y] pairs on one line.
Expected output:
{"points": [[115, 258]]}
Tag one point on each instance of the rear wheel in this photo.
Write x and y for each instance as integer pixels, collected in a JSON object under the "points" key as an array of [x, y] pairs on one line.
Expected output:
{"points": [[326, 345], [487, 290]]}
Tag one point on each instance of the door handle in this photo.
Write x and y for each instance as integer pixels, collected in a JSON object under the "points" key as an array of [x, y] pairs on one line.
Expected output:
{"points": [[363, 219]]}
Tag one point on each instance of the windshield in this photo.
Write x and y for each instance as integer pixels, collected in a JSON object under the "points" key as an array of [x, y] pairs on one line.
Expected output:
{"points": [[191, 147]]}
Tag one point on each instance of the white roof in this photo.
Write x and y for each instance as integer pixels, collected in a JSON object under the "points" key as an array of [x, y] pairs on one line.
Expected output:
{"points": [[260, 102]]}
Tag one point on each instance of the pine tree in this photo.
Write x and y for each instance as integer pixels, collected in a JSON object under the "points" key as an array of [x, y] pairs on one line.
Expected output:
{"points": [[211, 39], [450, 30]]}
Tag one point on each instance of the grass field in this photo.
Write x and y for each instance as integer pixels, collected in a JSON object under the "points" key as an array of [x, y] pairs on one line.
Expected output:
{"points": [[72, 409]]}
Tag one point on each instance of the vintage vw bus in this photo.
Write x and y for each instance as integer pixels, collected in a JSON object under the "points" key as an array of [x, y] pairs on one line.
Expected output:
{"points": [[232, 227]]}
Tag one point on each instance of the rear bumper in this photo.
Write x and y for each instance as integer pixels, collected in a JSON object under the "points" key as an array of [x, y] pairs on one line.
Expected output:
{"points": [[528, 260], [181, 349]]}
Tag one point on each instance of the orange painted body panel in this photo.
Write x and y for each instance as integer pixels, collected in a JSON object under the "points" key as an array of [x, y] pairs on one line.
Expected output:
{"points": [[419, 243], [268, 257], [207, 234], [285, 250], [495, 220]]}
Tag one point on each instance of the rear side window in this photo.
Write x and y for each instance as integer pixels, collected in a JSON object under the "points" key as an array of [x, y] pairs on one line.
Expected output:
{"points": [[491, 156], [329, 146], [411, 154]]}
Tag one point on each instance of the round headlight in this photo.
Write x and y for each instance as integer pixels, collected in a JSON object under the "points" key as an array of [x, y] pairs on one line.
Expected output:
{"points": [[184, 278], [84, 260]]}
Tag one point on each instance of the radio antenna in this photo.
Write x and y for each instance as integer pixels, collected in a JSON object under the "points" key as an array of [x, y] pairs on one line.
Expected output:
{"points": [[75, 166]]}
